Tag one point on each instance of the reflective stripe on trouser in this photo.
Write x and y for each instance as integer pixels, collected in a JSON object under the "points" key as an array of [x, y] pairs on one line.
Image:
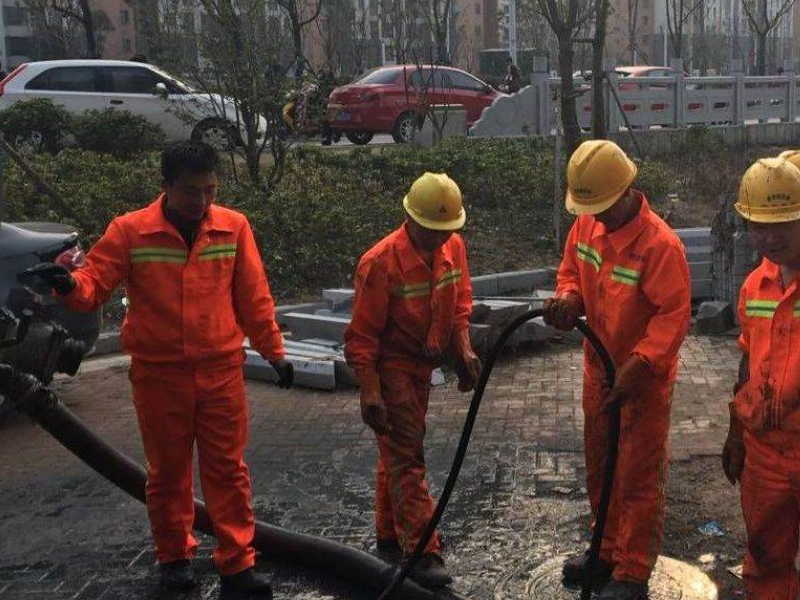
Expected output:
{"points": [[403, 504], [176, 406], [771, 506], [635, 525]]}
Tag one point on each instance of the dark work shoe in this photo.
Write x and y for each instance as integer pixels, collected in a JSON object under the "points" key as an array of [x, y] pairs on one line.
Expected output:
{"points": [[574, 568], [624, 590], [430, 572], [248, 582], [389, 550], [177, 575]]}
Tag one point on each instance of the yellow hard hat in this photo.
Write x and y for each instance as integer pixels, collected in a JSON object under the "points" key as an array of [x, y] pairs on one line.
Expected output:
{"points": [[793, 156], [434, 201], [770, 192], [598, 173]]}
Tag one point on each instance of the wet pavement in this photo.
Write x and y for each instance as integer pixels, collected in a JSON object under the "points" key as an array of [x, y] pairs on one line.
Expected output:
{"points": [[67, 533]]}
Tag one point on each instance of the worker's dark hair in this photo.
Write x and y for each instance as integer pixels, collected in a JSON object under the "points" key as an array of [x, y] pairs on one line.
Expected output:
{"points": [[192, 156]]}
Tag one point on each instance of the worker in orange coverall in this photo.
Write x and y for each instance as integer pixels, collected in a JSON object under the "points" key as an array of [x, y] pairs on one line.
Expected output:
{"points": [[626, 270], [413, 299], [762, 450], [196, 285]]}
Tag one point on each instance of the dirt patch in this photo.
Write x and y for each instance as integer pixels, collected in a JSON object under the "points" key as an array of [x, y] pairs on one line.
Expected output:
{"points": [[697, 494]]}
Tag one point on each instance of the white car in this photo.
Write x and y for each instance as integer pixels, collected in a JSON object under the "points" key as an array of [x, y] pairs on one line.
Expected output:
{"points": [[142, 89]]}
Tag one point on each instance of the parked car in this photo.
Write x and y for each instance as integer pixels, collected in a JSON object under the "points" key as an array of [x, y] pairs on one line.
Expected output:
{"points": [[140, 88], [394, 99], [626, 73], [38, 334]]}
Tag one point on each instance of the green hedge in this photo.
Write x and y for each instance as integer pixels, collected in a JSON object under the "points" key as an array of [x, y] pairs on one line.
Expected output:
{"points": [[39, 125], [331, 206]]}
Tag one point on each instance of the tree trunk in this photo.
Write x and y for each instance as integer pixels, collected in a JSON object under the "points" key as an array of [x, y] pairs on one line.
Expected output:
{"points": [[598, 46], [761, 53], [297, 38], [88, 26], [569, 116]]}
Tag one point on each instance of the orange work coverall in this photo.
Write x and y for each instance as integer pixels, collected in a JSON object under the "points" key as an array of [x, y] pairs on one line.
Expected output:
{"points": [[767, 407], [404, 312], [634, 283], [188, 311]]}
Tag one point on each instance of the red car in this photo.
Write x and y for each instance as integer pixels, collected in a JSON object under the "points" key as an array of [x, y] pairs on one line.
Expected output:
{"points": [[394, 99]]}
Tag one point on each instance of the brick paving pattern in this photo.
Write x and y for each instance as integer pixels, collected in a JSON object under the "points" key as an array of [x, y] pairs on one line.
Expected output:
{"points": [[67, 534]]}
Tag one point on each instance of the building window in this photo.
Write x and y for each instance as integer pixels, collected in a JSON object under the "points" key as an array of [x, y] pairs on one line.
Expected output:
{"points": [[645, 20], [126, 45], [478, 8], [18, 46], [14, 15], [477, 31], [124, 17]]}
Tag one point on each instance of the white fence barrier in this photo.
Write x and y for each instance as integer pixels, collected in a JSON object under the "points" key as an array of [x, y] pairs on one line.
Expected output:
{"points": [[647, 102]]}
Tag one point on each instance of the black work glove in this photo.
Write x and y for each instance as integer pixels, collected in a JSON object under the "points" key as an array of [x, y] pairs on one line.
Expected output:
{"points": [[53, 275], [733, 452], [285, 371]]}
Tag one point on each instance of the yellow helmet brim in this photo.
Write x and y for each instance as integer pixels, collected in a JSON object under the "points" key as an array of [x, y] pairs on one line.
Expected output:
{"points": [[575, 206], [451, 225], [766, 215]]}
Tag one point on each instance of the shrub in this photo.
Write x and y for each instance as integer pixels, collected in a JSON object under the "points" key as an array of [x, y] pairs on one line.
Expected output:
{"points": [[96, 188], [35, 125], [117, 132]]}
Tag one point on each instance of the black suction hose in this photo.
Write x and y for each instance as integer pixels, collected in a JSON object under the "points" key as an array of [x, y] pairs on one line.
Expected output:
{"points": [[477, 397], [30, 396]]}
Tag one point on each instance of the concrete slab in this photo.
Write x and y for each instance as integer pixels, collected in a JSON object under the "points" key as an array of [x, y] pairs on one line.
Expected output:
{"points": [[306, 307], [499, 312], [306, 326], [516, 281], [695, 236], [308, 372], [485, 285], [108, 342], [339, 298], [714, 317], [322, 342]]}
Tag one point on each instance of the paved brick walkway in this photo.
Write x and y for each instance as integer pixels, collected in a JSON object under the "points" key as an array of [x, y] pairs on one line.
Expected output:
{"points": [[66, 533]]}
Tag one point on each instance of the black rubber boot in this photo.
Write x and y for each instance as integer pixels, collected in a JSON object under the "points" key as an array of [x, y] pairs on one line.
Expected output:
{"points": [[574, 568], [247, 582], [177, 575], [389, 550], [624, 590], [430, 572]]}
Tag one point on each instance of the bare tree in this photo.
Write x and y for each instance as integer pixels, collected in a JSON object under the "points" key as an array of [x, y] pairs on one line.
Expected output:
{"points": [[298, 19], [763, 17], [400, 22], [678, 14], [632, 26], [438, 17], [333, 28], [237, 42], [601, 9], [57, 24], [166, 33], [533, 30], [567, 18]]}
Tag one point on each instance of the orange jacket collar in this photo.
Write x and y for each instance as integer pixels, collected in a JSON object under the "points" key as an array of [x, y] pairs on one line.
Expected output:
{"points": [[625, 235], [410, 258], [154, 221]]}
